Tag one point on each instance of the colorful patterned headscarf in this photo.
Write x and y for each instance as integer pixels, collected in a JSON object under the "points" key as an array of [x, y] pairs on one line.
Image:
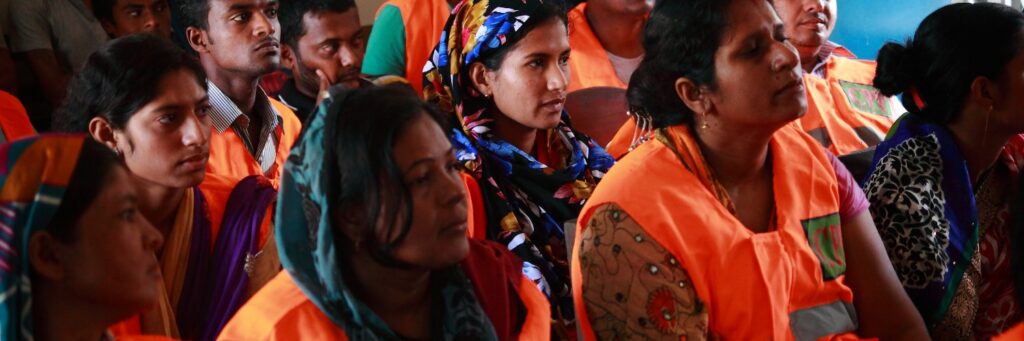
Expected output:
{"points": [[528, 199], [34, 174]]}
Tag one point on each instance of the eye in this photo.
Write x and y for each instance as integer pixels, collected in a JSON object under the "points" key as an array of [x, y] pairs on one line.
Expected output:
{"points": [[204, 110], [167, 119], [453, 166], [243, 17], [564, 60], [329, 48], [135, 13], [159, 8], [536, 63], [271, 12], [128, 214]]}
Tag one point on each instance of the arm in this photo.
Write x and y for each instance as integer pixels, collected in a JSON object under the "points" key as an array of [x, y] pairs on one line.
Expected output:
{"points": [[50, 74], [883, 308], [33, 38], [8, 79], [385, 49], [620, 288]]}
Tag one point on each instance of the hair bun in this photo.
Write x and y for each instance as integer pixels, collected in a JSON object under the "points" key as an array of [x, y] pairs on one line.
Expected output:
{"points": [[896, 68]]}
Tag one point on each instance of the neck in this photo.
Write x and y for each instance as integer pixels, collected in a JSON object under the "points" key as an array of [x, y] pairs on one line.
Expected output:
{"points": [[240, 88], [979, 145], [401, 297], [159, 204], [619, 34], [513, 132], [57, 315], [809, 57], [736, 155]]}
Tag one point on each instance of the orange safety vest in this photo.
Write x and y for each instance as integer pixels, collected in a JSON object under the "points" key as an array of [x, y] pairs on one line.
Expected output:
{"points": [[281, 311], [230, 158], [778, 285], [848, 113], [589, 65], [13, 118], [423, 20], [476, 227]]}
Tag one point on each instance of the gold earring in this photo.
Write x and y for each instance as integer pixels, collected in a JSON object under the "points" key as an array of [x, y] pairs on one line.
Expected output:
{"points": [[704, 121]]}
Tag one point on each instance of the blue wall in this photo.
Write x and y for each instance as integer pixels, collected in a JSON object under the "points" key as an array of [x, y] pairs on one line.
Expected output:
{"points": [[864, 25]]}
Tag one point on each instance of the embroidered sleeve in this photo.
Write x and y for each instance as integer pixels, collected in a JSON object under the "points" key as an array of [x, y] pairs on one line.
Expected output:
{"points": [[633, 287]]}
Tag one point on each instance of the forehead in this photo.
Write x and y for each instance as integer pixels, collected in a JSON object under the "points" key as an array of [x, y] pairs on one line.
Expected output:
{"points": [[225, 5], [137, 2], [421, 138], [551, 36], [326, 22], [747, 16]]}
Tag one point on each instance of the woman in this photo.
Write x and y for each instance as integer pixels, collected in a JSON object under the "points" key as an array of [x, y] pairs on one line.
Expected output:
{"points": [[501, 70], [75, 254], [375, 246], [146, 99], [730, 223], [941, 184]]}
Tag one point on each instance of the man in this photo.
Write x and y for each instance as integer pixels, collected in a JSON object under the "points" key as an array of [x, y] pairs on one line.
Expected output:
{"points": [[238, 42], [845, 113], [322, 43], [606, 39], [55, 38], [123, 17], [404, 33]]}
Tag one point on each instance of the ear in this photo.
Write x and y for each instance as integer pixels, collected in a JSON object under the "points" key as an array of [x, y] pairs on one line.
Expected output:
{"points": [[693, 95], [985, 93], [103, 132], [45, 255], [288, 59], [198, 39], [108, 27], [482, 78]]}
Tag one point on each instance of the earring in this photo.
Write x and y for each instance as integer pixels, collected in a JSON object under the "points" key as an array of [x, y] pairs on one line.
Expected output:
{"points": [[704, 121]]}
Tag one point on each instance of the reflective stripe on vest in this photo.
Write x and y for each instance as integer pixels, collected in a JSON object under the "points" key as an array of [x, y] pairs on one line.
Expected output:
{"points": [[827, 319]]}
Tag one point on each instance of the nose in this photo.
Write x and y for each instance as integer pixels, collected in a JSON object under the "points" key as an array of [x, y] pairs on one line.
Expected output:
{"points": [[814, 6], [785, 57], [455, 190], [151, 23], [196, 131], [263, 26], [152, 239], [558, 78], [349, 56]]}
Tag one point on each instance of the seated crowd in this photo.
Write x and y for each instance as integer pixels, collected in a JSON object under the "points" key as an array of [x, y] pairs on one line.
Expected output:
{"points": [[507, 170]]}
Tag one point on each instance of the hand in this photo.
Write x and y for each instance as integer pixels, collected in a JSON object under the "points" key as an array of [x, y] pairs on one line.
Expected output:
{"points": [[325, 85]]}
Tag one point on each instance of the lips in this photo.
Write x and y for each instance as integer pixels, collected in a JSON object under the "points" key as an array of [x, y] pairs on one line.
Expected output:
{"points": [[268, 45], [196, 161], [817, 21], [554, 105], [795, 85]]}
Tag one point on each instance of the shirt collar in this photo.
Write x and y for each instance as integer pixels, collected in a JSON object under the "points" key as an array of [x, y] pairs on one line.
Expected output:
{"points": [[824, 54], [224, 112]]}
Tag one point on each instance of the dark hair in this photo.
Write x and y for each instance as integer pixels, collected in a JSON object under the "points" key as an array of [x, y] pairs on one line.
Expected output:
{"points": [[121, 78], [953, 46], [93, 171], [292, 11], [194, 13], [680, 40], [103, 9], [361, 128], [547, 11]]}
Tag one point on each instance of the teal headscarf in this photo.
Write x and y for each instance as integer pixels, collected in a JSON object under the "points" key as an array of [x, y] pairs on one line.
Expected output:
{"points": [[308, 251]]}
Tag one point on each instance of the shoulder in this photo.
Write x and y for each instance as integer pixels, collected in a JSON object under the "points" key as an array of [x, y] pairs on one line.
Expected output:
{"points": [[277, 312]]}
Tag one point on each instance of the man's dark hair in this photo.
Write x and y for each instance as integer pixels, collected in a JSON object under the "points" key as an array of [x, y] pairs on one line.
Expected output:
{"points": [[194, 13], [103, 9], [292, 11]]}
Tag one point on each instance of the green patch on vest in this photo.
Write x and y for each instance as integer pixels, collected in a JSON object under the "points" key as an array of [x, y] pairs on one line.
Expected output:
{"points": [[866, 98], [825, 235]]}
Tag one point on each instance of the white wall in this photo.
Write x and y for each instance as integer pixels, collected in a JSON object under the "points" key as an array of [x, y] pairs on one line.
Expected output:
{"points": [[367, 9]]}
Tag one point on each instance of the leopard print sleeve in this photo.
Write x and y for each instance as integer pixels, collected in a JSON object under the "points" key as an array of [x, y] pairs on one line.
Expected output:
{"points": [[633, 288]]}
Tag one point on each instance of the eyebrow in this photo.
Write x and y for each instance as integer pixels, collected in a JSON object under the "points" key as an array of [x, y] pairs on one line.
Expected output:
{"points": [[426, 160]]}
